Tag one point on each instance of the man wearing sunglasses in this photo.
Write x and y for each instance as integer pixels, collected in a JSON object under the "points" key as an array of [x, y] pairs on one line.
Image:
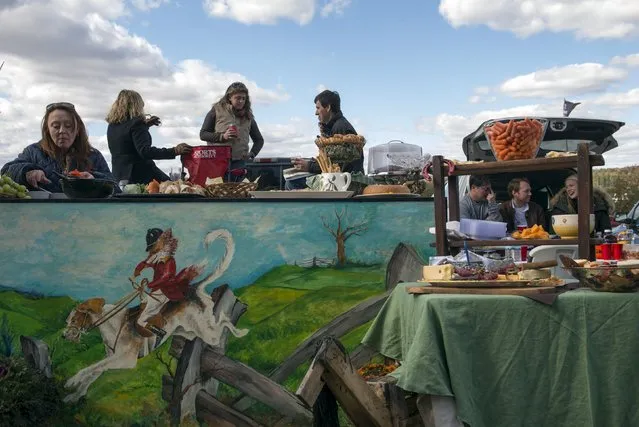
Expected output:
{"points": [[480, 202]]}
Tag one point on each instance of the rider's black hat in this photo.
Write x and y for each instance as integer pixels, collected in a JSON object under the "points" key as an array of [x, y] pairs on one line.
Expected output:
{"points": [[152, 236]]}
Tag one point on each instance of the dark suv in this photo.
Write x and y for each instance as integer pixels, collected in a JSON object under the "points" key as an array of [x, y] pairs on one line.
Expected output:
{"points": [[562, 134]]}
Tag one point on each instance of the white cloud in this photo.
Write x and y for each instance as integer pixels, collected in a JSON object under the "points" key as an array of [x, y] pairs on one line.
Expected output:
{"points": [[89, 59], [619, 99], [562, 81], [148, 4], [320, 88], [590, 19], [262, 12], [270, 12], [628, 60], [335, 6]]}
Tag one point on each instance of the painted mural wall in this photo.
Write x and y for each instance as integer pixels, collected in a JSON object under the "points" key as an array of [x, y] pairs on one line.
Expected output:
{"points": [[151, 267]]}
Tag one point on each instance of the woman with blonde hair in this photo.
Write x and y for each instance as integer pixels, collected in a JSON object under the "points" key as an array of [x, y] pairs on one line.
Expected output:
{"points": [[130, 143], [64, 147], [231, 121], [566, 202]]}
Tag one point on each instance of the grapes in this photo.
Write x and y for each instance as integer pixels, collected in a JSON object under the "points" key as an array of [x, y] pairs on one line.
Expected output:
{"points": [[10, 188]]}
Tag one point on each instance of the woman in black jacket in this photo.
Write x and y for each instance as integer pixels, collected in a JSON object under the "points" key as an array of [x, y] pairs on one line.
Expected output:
{"points": [[132, 153]]}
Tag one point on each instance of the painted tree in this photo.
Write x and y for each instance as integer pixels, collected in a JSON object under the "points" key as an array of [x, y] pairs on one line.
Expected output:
{"points": [[342, 232]]}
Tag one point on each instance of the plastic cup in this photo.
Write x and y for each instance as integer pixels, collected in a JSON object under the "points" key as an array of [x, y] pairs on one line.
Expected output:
{"points": [[617, 251], [524, 253], [606, 251]]}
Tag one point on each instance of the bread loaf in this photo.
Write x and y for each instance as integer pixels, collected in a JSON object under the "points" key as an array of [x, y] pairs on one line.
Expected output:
{"points": [[386, 189]]}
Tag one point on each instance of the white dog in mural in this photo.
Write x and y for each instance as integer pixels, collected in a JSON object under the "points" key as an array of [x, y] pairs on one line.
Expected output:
{"points": [[190, 318]]}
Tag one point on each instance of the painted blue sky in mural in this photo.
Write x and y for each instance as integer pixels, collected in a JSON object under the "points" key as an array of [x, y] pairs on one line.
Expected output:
{"points": [[85, 250]]}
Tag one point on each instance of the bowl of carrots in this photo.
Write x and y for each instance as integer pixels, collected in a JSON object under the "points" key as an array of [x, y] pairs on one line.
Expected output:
{"points": [[515, 139]]}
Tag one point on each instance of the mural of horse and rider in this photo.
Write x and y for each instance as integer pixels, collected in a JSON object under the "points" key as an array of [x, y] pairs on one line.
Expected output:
{"points": [[111, 297]]}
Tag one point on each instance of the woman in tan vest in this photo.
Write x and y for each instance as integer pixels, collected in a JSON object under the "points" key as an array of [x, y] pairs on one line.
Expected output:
{"points": [[231, 121]]}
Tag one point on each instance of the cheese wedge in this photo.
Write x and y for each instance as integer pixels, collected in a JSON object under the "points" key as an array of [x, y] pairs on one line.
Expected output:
{"points": [[438, 272], [534, 274]]}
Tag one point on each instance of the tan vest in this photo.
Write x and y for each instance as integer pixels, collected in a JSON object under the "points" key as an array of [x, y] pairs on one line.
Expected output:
{"points": [[240, 145]]}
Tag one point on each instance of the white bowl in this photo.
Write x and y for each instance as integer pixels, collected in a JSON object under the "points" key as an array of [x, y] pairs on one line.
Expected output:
{"points": [[567, 227]]}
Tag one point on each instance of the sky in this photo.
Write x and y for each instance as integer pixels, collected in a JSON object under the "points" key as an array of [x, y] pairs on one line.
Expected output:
{"points": [[423, 72]]}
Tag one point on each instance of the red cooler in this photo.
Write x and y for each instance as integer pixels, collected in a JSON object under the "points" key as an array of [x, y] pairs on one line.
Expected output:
{"points": [[206, 161]]}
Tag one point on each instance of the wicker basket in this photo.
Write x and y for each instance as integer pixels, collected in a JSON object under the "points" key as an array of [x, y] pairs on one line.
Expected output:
{"points": [[231, 190]]}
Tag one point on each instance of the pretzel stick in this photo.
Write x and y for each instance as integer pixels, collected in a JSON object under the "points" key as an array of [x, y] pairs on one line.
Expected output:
{"points": [[320, 162]]}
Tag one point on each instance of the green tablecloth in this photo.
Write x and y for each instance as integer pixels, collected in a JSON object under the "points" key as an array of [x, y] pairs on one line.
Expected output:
{"points": [[510, 361]]}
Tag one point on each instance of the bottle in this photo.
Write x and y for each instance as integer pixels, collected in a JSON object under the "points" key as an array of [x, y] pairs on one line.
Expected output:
{"points": [[609, 237]]}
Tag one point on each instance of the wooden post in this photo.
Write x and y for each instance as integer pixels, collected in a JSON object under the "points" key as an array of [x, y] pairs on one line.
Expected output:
{"points": [[584, 195], [215, 413], [453, 198], [36, 352], [405, 265], [256, 385], [441, 240], [187, 381], [355, 396]]}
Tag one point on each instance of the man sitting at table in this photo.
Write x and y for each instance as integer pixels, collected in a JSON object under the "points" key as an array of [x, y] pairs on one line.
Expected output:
{"points": [[480, 201], [519, 210]]}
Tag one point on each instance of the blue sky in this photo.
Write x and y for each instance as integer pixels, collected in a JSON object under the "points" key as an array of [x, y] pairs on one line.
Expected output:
{"points": [[427, 73]]}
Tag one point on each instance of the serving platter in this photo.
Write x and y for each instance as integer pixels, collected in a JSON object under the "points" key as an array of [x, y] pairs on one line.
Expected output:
{"points": [[283, 194], [388, 196], [497, 283], [527, 290]]}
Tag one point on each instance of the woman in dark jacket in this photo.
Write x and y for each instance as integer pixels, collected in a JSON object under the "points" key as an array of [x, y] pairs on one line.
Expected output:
{"points": [[231, 121], [566, 202], [64, 147], [132, 153]]}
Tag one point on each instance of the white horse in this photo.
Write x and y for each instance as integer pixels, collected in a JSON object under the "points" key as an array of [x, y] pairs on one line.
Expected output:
{"points": [[188, 318]]}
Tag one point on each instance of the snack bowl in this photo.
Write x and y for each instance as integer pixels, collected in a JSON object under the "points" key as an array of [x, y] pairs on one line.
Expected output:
{"points": [[516, 138], [566, 226], [608, 278], [80, 188]]}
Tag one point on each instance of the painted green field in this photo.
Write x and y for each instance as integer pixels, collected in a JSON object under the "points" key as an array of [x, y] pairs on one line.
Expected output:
{"points": [[285, 306]]}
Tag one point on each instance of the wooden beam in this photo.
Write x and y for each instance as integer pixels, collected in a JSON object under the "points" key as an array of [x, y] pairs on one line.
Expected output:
{"points": [[36, 353], [584, 195], [453, 199], [254, 384], [441, 241], [518, 166], [361, 355], [354, 395], [215, 413], [311, 384], [405, 265], [186, 382]]}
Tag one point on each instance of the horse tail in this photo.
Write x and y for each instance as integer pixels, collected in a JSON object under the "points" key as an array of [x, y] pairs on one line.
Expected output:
{"points": [[223, 265]]}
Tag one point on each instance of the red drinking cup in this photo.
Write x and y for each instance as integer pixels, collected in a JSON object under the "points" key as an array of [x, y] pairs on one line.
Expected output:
{"points": [[617, 251], [606, 251]]}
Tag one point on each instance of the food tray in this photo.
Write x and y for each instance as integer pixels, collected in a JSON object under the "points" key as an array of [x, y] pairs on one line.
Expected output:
{"points": [[496, 283], [301, 194]]}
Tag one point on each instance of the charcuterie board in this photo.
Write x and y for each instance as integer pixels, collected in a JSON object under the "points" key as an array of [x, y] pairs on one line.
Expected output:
{"points": [[528, 290], [495, 283]]}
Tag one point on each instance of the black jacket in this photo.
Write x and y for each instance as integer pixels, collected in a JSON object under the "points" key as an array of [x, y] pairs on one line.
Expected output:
{"points": [[339, 125], [132, 153], [535, 215]]}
